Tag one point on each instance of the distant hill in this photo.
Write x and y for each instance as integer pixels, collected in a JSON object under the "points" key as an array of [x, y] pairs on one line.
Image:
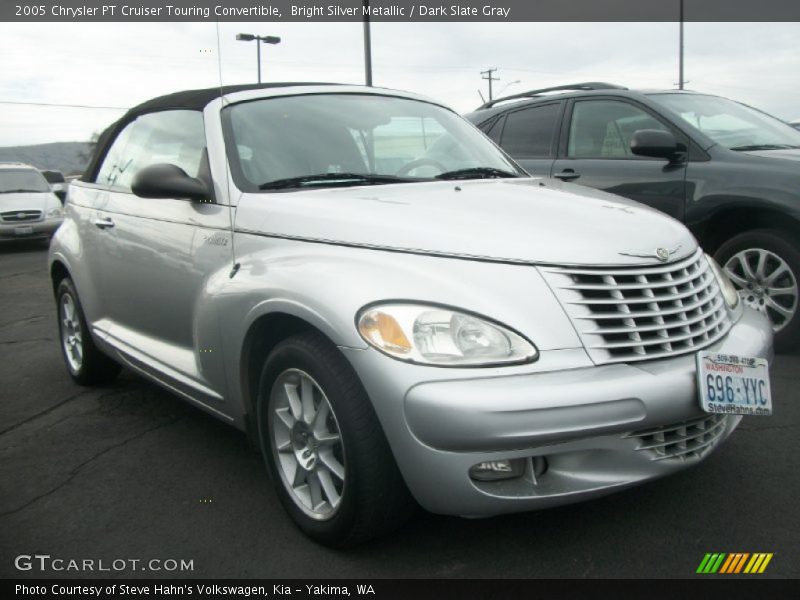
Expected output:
{"points": [[68, 157]]}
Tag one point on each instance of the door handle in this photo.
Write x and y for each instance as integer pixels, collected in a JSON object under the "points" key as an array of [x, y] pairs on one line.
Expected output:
{"points": [[567, 175], [103, 223]]}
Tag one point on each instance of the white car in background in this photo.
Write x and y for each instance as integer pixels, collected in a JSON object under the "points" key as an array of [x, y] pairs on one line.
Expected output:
{"points": [[28, 207]]}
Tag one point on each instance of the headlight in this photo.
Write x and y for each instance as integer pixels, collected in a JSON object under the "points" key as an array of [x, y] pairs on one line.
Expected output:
{"points": [[728, 290], [433, 335], [55, 212]]}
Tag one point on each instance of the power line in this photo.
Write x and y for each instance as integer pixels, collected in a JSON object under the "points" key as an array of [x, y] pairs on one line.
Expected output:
{"points": [[62, 105]]}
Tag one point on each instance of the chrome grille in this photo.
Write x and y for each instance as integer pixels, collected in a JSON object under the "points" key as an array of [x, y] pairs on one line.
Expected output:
{"points": [[20, 216], [628, 314], [683, 441]]}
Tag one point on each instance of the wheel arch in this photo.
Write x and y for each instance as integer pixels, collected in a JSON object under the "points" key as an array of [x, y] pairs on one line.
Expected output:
{"points": [[726, 223], [58, 272], [263, 334]]}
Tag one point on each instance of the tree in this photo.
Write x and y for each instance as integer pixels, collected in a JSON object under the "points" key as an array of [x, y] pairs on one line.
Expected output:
{"points": [[86, 154]]}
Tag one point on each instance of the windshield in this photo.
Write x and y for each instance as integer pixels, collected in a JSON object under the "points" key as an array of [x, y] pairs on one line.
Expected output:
{"points": [[353, 139], [731, 124], [22, 180]]}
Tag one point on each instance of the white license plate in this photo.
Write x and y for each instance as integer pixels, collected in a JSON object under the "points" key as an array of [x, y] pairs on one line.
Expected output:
{"points": [[734, 385], [26, 230]]}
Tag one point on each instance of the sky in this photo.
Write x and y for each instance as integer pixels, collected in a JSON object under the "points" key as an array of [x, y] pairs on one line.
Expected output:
{"points": [[118, 65]]}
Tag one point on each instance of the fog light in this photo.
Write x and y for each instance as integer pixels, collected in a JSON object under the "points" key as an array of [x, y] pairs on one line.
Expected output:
{"points": [[497, 469]]}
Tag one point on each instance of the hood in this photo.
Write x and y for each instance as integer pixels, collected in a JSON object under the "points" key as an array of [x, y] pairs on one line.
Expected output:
{"points": [[28, 201], [538, 221], [788, 154]]}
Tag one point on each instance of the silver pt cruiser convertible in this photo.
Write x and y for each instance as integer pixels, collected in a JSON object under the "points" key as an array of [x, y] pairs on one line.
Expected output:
{"points": [[394, 310]]}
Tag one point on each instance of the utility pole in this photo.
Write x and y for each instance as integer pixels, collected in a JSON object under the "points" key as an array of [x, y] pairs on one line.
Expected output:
{"points": [[367, 46], [680, 50], [488, 76]]}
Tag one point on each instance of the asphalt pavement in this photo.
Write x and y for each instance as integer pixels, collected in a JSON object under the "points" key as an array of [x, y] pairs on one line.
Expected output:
{"points": [[131, 472]]}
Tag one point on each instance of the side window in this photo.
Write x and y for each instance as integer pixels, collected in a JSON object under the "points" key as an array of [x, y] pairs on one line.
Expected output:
{"points": [[174, 136], [494, 128], [529, 132], [604, 128]]}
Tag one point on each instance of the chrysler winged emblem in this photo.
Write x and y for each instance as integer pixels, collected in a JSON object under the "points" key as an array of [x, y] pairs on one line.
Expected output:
{"points": [[662, 254]]}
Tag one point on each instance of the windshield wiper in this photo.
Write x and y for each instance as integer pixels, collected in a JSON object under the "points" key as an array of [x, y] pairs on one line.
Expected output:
{"points": [[332, 179], [20, 191], [765, 147], [476, 173]]}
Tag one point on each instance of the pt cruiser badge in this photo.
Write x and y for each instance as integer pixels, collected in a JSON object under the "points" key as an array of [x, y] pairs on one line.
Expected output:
{"points": [[385, 341], [661, 254]]}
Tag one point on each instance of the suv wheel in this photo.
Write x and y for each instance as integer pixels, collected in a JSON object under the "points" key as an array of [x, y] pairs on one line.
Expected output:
{"points": [[331, 465], [765, 267], [85, 363]]}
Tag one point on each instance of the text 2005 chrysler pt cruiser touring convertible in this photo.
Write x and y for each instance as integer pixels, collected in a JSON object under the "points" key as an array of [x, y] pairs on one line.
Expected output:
{"points": [[365, 283]]}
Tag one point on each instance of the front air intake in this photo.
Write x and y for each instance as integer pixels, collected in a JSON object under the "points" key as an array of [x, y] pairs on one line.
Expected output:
{"points": [[642, 313]]}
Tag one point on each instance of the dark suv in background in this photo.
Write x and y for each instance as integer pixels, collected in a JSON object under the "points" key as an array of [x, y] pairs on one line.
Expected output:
{"points": [[730, 172]]}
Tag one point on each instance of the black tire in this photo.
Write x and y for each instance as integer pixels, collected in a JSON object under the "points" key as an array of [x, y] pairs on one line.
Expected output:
{"points": [[374, 498], [95, 368], [783, 246]]}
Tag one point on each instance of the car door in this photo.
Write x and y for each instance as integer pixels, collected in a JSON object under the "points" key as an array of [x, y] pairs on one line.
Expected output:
{"points": [[595, 151], [530, 135], [160, 253]]}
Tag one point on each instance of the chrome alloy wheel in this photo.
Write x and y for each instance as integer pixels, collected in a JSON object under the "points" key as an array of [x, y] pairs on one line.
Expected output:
{"points": [[71, 334], [765, 283], [307, 444]]}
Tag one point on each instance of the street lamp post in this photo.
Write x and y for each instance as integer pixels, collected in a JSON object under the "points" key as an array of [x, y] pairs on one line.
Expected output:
{"points": [[267, 39], [508, 85]]}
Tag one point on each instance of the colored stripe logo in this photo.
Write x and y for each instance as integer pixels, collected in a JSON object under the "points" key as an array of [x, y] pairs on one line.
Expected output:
{"points": [[734, 562]]}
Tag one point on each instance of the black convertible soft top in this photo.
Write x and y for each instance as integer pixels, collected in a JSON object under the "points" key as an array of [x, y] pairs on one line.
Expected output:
{"points": [[198, 99], [185, 100]]}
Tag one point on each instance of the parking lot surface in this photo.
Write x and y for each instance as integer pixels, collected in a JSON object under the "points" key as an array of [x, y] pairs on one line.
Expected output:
{"points": [[130, 471]]}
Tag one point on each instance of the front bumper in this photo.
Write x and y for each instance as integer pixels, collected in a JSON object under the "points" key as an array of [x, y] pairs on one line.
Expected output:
{"points": [[24, 230], [599, 428]]}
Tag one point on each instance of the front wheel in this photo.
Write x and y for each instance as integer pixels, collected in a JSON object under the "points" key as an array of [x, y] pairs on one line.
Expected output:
{"points": [[764, 265], [330, 462]]}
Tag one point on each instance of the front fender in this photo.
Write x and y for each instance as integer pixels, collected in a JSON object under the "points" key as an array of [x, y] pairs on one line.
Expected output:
{"points": [[326, 285]]}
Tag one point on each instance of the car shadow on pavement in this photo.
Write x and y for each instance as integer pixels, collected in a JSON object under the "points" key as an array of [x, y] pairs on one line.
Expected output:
{"points": [[22, 246]]}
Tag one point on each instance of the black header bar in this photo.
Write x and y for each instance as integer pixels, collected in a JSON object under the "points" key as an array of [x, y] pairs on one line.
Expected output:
{"points": [[708, 588], [399, 10]]}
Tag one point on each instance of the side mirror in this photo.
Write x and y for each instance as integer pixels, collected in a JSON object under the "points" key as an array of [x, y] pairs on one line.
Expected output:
{"points": [[168, 181], [655, 143]]}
